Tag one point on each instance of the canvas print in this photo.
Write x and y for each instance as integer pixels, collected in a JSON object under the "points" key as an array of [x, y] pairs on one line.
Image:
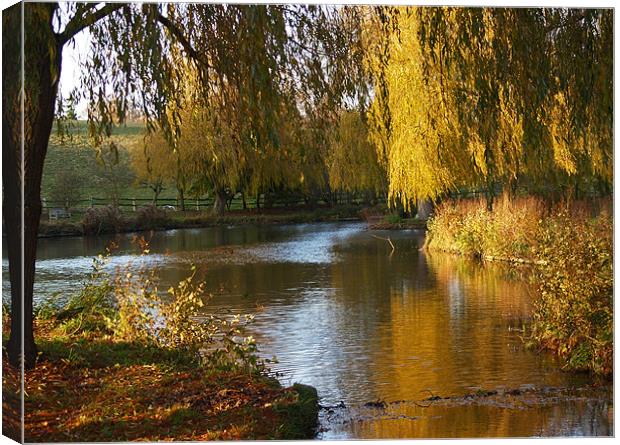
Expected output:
{"points": [[306, 222]]}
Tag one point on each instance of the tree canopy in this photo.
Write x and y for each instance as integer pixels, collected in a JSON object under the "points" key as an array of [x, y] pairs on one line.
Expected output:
{"points": [[251, 98], [480, 97]]}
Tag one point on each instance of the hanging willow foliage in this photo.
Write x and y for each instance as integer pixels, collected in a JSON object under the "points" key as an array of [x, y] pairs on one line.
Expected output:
{"points": [[475, 97], [249, 59]]}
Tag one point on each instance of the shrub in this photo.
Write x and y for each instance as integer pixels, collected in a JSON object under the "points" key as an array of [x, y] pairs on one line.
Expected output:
{"points": [[512, 230], [572, 248], [467, 227], [88, 310], [574, 314], [151, 217], [102, 220], [129, 307], [394, 218]]}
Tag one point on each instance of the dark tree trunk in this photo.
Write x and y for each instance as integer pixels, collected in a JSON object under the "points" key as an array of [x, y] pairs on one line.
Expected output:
{"points": [[490, 195], [514, 184], [181, 199], [42, 71], [268, 203], [156, 191], [424, 209], [219, 204], [245, 204], [490, 200]]}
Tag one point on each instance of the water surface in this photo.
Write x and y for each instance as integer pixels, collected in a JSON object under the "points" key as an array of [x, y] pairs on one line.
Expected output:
{"points": [[342, 312]]}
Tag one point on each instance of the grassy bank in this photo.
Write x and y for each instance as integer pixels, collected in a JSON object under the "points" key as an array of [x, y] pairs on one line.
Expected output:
{"points": [[108, 221], [111, 370], [93, 390], [571, 248], [394, 222]]}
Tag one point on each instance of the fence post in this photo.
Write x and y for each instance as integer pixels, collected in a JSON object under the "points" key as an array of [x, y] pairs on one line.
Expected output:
{"points": [[197, 205], [133, 202]]}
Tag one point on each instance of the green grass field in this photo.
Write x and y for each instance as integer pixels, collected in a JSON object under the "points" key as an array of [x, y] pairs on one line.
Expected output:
{"points": [[74, 163]]}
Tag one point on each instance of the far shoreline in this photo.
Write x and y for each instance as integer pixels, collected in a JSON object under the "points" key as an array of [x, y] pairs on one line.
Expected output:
{"points": [[195, 220]]}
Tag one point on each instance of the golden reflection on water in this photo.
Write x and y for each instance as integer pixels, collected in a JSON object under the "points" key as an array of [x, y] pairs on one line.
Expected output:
{"points": [[457, 335], [483, 421]]}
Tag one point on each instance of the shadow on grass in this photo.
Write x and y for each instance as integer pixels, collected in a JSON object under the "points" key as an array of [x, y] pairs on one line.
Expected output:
{"points": [[89, 353]]}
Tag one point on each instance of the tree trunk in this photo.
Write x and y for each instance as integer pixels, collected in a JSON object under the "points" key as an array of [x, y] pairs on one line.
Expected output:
{"points": [[156, 191], [490, 199], [424, 209], [514, 187], [245, 204], [219, 204], [268, 202], [181, 198], [42, 71], [229, 201]]}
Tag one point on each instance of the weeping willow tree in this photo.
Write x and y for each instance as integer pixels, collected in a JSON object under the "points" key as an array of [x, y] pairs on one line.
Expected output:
{"points": [[220, 152], [352, 160], [259, 51], [485, 97], [152, 161]]}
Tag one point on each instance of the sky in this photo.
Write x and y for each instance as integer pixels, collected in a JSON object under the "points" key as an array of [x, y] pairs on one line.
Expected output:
{"points": [[73, 55]]}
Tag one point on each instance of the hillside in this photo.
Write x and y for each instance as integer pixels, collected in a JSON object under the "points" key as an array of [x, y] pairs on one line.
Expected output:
{"points": [[75, 168]]}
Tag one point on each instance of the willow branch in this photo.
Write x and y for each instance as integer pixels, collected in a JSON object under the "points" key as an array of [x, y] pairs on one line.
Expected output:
{"points": [[176, 32], [77, 24]]}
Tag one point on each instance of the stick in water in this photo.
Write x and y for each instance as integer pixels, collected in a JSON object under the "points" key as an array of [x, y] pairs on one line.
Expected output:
{"points": [[385, 239]]}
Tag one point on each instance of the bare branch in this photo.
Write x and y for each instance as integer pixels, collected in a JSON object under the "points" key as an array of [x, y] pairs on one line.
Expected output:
{"points": [[176, 32], [385, 239], [77, 24]]}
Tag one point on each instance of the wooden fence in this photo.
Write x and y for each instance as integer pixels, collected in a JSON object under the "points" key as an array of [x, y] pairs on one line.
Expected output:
{"points": [[201, 204]]}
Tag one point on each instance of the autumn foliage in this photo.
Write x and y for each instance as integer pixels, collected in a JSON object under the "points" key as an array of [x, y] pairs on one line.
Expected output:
{"points": [[481, 97], [571, 248]]}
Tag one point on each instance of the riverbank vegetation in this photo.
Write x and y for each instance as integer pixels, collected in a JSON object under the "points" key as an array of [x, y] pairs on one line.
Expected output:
{"points": [[122, 361], [570, 245], [108, 219]]}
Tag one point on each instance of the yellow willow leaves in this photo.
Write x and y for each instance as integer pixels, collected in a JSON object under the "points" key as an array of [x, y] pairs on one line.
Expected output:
{"points": [[352, 162], [419, 160], [152, 158], [481, 97], [509, 136], [557, 122]]}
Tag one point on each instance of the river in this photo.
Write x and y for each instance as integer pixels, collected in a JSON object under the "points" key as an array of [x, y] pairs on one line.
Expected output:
{"points": [[399, 344]]}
